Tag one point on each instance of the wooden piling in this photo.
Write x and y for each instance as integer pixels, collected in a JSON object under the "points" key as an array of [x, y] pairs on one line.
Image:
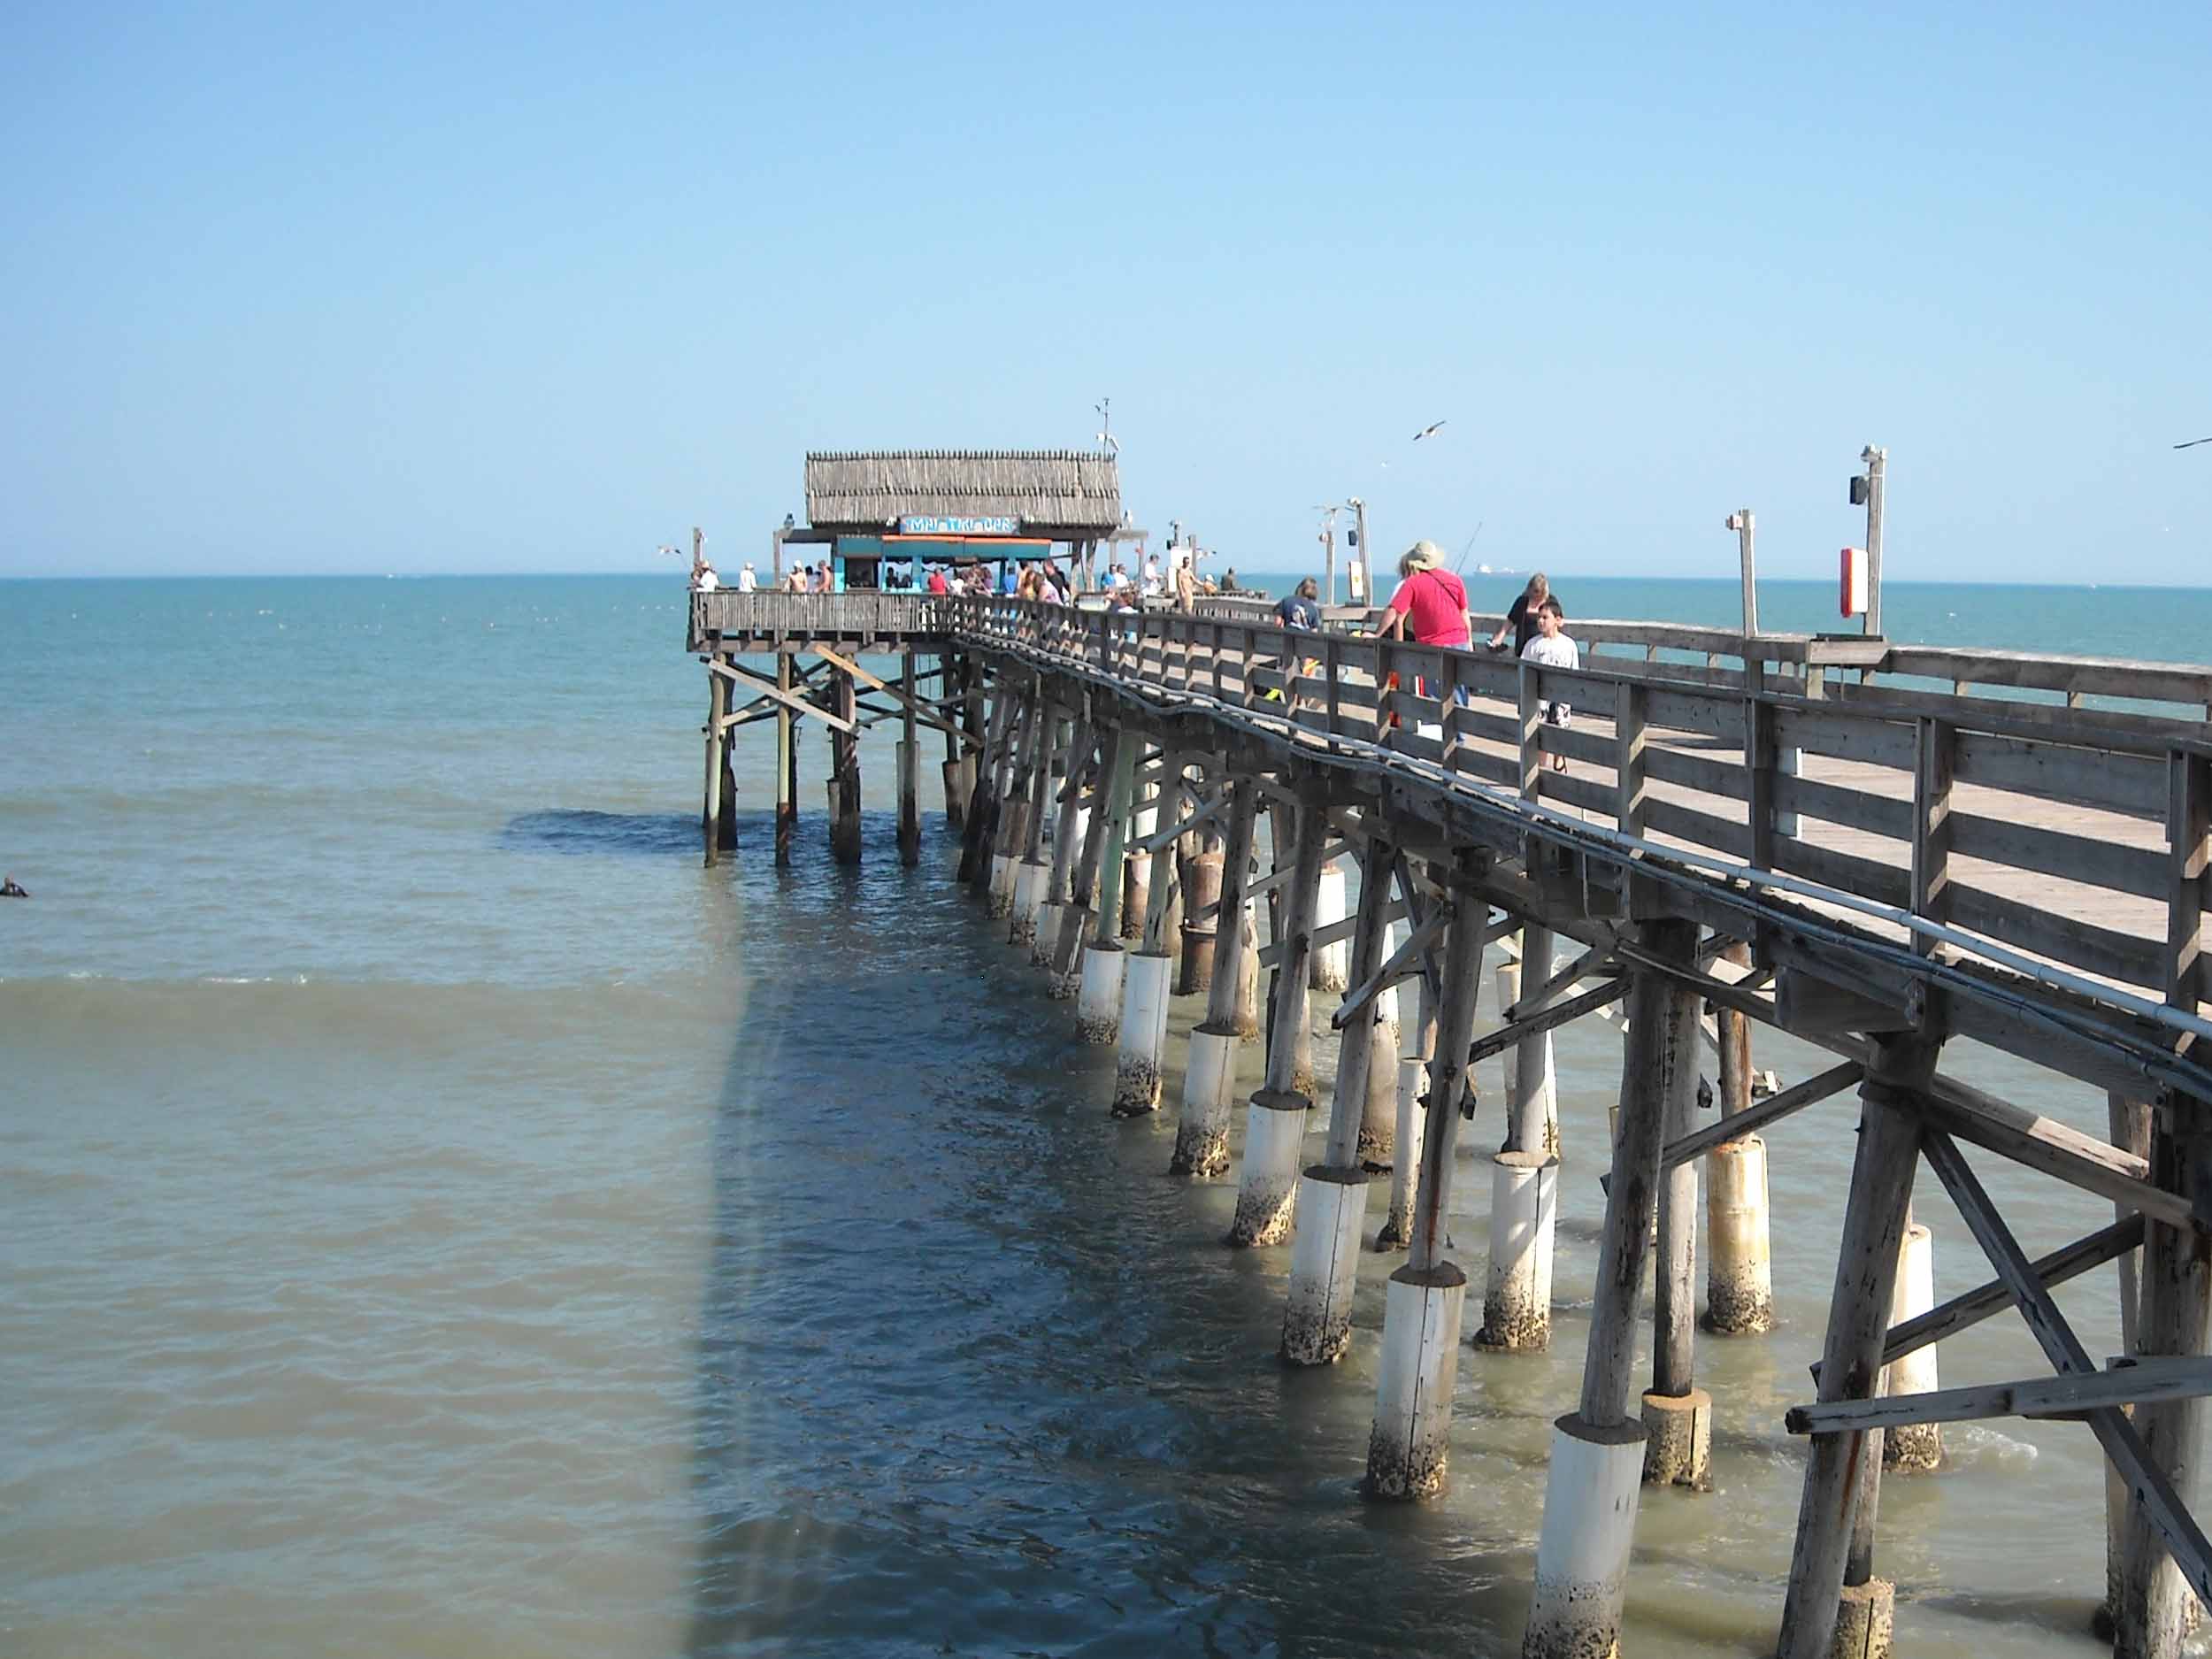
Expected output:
{"points": [[1591, 1485], [710, 813], [1840, 1470], [2175, 1318], [1408, 1446], [844, 791], [1267, 1184], [786, 769], [910, 773], [1201, 1132]]}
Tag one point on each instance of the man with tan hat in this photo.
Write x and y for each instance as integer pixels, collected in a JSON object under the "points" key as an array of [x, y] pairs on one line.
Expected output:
{"points": [[1432, 598]]}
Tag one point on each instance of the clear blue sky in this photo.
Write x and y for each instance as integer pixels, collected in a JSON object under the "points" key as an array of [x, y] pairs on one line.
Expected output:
{"points": [[442, 289]]}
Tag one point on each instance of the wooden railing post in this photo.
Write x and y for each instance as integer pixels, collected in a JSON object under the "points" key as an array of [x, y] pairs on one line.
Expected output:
{"points": [[1936, 742], [1629, 703], [2189, 837], [1532, 733], [1332, 669], [1760, 771]]}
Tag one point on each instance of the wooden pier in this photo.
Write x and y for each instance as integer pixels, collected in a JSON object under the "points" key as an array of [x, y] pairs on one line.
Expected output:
{"points": [[1776, 830]]}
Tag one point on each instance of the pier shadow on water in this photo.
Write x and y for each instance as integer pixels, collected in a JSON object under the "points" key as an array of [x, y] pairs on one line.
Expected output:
{"points": [[576, 832], [974, 1375]]}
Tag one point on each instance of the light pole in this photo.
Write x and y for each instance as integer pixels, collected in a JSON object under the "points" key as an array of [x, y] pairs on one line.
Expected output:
{"points": [[1362, 569], [1867, 488], [1741, 522]]}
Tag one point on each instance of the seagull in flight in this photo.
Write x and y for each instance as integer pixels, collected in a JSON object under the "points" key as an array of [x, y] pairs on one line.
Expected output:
{"points": [[2193, 443], [1428, 431]]}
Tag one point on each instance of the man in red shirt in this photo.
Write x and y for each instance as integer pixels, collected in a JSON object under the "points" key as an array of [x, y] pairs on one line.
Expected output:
{"points": [[937, 582], [1432, 598]]}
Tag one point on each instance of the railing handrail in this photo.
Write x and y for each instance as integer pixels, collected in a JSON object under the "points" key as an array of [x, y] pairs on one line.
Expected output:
{"points": [[2071, 757]]}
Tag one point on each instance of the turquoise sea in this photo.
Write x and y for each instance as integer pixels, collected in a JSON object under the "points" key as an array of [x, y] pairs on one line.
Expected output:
{"points": [[443, 1219]]}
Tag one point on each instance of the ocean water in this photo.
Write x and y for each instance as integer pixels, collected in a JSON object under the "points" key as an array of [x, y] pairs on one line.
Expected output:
{"points": [[441, 1218]]}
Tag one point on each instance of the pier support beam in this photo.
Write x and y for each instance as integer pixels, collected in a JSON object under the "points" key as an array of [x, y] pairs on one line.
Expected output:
{"points": [[1147, 979], [1843, 1471], [718, 741], [909, 769], [1678, 1415], [2156, 1607], [844, 788], [1073, 941], [1592, 1485], [1417, 1042], [1379, 1116], [1532, 1090], [1739, 1266], [1275, 1124], [978, 835], [1410, 1442], [1209, 1070], [786, 765], [1202, 913], [1017, 770], [1331, 1203], [1136, 868]]}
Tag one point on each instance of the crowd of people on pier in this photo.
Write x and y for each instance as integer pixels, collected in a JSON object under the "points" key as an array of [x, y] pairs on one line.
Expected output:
{"points": [[1429, 605]]}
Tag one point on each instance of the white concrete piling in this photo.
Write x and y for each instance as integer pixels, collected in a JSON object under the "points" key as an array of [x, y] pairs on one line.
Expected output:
{"points": [[1001, 903], [1098, 999], [1209, 1102], [1048, 935], [1323, 1265], [1410, 1442], [1143, 1035], [1739, 1276], [1590, 1499], [1523, 1222], [1415, 1034], [1913, 1446], [1267, 1181], [1029, 895], [1331, 963]]}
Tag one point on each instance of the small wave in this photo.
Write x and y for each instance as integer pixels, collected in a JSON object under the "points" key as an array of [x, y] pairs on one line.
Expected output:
{"points": [[1978, 1443]]}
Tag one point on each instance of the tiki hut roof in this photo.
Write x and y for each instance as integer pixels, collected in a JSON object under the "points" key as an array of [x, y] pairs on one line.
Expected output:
{"points": [[1069, 492]]}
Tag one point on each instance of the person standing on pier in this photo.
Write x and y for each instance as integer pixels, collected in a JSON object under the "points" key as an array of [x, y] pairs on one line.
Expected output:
{"points": [[1552, 649], [1431, 599], [746, 581], [1520, 617], [1434, 600]]}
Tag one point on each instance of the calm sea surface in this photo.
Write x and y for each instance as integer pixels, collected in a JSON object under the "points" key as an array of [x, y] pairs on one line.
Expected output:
{"points": [[442, 1218]]}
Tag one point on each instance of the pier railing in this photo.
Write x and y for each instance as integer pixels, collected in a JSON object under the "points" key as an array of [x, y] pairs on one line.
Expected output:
{"points": [[763, 618], [2073, 836]]}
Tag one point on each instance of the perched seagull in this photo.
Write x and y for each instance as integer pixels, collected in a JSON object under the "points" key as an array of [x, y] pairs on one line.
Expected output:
{"points": [[1427, 431], [2193, 443]]}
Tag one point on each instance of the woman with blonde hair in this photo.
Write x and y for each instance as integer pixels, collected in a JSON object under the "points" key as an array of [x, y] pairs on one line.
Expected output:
{"points": [[1520, 618], [1430, 599]]}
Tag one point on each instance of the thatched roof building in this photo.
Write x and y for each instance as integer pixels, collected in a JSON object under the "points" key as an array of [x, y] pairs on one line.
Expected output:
{"points": [[1066, 493]]}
